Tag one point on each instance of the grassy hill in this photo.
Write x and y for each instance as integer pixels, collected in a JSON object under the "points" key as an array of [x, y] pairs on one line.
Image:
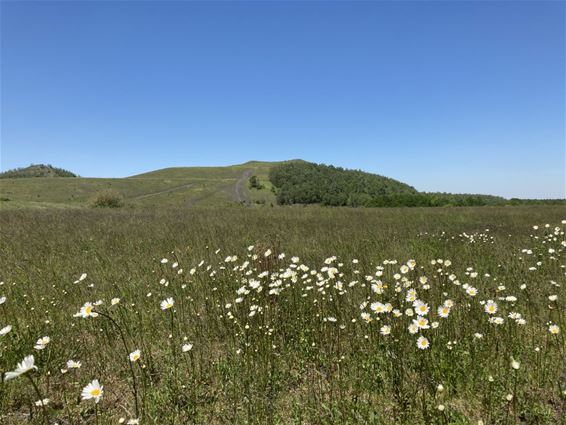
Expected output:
{"points": [[179, 186], [286, 182]]}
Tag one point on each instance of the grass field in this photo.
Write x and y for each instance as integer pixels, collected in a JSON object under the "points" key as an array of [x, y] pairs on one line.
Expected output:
{"points": [[285, 315], [182, 187]]}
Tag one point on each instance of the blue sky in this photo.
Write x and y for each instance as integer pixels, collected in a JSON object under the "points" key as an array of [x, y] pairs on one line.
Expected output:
{"points": [[464, 96]]}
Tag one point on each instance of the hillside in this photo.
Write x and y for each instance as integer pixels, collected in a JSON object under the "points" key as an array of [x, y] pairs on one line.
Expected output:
{"points": [[36, 170], [284, 183], [181, 186]]}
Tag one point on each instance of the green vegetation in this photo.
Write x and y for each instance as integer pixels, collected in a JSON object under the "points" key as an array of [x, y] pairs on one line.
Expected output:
{"points": [[252, 183], [107, 199], [180, 187], [255, 337], [308, 183], [36, 170], [433, 199]]}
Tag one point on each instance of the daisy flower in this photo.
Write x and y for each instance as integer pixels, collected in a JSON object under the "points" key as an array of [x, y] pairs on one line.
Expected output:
{"points": [[377, 307], [42, 343], [554, 329], [72, 364], [27, 364], [490, 307], [421, 308], [135, 355], [411, 295], [448, 303], [87, 310], [471, 291], [421, 322], [93, 391], [167, 303], [423, 343]]}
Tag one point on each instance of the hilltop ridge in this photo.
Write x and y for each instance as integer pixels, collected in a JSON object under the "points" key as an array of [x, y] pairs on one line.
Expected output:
{"points": [[36, 170]]}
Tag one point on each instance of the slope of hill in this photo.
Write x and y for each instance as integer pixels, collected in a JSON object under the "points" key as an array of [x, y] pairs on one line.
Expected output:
{"points": [[183, 186], [36, 170], [287, 182]]}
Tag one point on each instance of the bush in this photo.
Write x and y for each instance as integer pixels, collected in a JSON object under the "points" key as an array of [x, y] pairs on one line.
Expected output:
{"points": [[107, 199], [255, 183]]}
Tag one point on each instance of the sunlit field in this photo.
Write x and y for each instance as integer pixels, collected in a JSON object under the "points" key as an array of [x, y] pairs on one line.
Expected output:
{"points": [[283, 316]]}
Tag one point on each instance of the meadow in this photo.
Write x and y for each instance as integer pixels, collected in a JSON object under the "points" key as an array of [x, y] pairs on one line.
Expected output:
{"points": [[283, 315], [169, 187]]}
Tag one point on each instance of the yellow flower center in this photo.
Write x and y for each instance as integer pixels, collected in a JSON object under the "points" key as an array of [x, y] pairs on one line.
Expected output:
{"points": [[95, 392]]}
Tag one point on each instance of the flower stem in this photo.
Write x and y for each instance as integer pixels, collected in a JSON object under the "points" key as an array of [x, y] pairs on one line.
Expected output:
{"points": [[44, 409]]}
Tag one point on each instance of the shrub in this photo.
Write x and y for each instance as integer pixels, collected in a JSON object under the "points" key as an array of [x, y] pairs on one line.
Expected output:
{"points": [[107, 199], [255, 183]]}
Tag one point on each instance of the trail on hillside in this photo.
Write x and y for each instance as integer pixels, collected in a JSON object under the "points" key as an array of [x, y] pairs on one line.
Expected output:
{"points": [[239, 188], [171, 189]]}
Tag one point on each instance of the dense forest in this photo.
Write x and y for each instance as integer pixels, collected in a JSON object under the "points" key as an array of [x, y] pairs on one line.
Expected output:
{"points": [[302, 182], [36, 170], [307, 183]]}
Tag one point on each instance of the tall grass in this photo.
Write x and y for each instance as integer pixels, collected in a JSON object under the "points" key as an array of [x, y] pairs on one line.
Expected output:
{"points": [[285, 315]]}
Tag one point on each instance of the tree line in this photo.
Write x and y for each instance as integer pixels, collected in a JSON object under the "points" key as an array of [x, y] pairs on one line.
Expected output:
{"points": [[300, 182]]}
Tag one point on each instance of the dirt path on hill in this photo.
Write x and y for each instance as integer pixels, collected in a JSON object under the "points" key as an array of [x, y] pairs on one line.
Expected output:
{"points": [[239, 188]]}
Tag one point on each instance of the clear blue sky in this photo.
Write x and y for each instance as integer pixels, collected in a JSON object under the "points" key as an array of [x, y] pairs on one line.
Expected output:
{"points": [[464, 96]]}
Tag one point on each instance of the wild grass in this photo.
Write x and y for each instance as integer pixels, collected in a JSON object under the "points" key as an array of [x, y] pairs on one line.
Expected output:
{"points": [[180, 187], [255, 336]]}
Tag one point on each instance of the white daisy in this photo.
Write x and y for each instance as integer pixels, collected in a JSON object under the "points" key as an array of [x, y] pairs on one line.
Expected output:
{"points": [[27, 364], [93, 391], [167, 303], [423, 343], [135, 355]]}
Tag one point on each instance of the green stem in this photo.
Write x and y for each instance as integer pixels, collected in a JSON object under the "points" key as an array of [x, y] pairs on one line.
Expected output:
{"points": [[44, 409], [130, 366]]}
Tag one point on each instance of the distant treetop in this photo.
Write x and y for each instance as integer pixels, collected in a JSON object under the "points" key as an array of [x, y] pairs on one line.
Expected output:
{"points": [[36, 170]]}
